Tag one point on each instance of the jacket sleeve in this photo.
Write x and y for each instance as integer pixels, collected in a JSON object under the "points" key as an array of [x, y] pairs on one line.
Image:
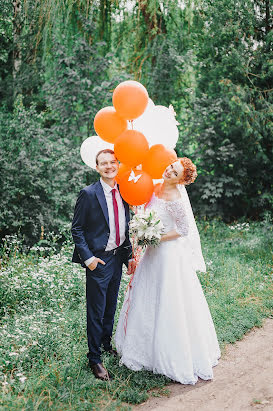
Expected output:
{"points": [[127, 253], [79, 222]]}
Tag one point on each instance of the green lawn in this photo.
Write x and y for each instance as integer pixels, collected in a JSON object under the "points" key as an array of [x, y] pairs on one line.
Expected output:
{"points": [[43, 362]]}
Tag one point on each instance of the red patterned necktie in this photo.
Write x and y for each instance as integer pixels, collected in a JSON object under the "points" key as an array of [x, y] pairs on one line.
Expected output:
{"points": [[115, 205]]}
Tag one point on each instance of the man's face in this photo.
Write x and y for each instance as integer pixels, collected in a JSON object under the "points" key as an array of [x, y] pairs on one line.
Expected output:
{"points": [[107, 165]]}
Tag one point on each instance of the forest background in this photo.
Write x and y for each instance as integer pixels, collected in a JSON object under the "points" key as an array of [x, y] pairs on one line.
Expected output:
{"points": [[60, 61]]}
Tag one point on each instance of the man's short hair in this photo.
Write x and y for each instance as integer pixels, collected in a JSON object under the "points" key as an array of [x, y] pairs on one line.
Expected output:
{"points": [[106, 150]]}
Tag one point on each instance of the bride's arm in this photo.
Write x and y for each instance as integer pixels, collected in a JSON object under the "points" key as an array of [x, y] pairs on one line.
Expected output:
{"points": [[171, 235], [176, 209]]}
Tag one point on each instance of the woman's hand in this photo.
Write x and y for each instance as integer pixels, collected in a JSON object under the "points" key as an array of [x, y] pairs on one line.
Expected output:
{"points": [[131, 266], [171, 235], [163, 238]]}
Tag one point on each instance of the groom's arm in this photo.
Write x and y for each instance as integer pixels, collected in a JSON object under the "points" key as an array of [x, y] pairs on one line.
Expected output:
{"points": [[79, 223]]}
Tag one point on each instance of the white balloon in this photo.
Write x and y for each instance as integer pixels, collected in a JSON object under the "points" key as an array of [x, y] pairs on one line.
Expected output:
{"points": [[90, 147], [144, 122], [149, 108], [158, 180], [141, 120], [150, 105], [165, 130], [159, 126]]}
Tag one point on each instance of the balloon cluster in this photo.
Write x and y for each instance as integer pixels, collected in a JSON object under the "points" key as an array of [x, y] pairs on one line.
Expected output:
{"points": [[142, 135]]}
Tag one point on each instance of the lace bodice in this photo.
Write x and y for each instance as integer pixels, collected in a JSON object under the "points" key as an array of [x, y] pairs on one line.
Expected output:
{"points": [[172, 214]]}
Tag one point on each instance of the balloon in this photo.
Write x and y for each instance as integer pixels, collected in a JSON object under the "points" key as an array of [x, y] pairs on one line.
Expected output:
{"points": [[90, 147], [157, 159], [123, 168], [150, 107], [130, 99], [136, 187], [159, 126], [131, 147], [145, 118], [108, 124]]}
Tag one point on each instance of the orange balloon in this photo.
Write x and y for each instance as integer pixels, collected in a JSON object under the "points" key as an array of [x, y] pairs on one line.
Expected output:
{"points": [[134, 189], [131, 147], [130, 99], [108, 124], [123, 168], [157, 159]]}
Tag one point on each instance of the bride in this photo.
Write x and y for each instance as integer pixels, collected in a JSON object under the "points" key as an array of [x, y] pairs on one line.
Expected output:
{"points": [[165, 324]]}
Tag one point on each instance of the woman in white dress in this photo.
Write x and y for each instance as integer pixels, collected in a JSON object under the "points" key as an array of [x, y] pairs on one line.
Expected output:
{"points": [[165, 324]]}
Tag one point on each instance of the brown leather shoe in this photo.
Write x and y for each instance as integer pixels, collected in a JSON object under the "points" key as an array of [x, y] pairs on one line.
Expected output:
{"points": [[100, 372]]}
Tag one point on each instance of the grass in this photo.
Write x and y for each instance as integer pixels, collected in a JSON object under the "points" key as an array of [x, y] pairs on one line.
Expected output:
{"points": [[43, 362]]}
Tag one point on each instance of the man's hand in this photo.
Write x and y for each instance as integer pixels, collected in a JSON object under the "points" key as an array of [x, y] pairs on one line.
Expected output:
{"points": [[92, 266], [131, 266]]}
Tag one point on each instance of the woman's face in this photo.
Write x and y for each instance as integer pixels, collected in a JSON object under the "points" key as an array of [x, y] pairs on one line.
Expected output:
{"points": [[173, 173]]}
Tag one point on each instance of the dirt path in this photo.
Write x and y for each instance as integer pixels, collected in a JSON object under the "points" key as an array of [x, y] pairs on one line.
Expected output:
{"points": [[243, 379]]}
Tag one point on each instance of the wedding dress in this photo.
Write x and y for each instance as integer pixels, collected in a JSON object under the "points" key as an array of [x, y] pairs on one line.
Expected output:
{"points": [[165, 324]]}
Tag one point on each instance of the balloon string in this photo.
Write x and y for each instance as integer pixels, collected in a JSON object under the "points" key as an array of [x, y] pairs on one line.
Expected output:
{"points": [[128, 303], [136, 253], [132, 124], [136, 257]]}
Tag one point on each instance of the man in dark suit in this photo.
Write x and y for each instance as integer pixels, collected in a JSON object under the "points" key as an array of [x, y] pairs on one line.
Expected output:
{"points": [[102, 245]]}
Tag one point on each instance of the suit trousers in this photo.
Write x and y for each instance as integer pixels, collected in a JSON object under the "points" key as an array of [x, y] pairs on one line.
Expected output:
{"points": [[102, 286]]}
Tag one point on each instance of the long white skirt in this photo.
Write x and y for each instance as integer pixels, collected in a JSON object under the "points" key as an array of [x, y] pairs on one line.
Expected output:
{"points": [[165, 324]]}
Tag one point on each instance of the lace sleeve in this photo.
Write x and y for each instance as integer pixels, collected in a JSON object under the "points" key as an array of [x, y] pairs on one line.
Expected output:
{"points": [[177, 210]]}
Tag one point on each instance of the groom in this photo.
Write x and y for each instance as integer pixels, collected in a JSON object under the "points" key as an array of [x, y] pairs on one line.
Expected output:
{"points": [[102, 245]]}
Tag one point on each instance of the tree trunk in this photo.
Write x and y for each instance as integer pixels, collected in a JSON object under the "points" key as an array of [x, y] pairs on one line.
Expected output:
{"points": [[267, 16], [105, 21], [155, 22], [17, 27]]}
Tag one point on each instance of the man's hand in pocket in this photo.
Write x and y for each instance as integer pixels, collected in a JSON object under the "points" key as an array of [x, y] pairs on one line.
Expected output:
{"points": [[92, 266]]}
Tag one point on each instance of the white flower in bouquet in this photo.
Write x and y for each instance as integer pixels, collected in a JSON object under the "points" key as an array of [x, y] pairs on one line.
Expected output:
{"points": [[146, 228]]}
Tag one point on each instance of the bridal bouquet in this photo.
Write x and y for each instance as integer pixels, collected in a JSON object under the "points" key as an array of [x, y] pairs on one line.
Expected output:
{"points": [[146, 228]]}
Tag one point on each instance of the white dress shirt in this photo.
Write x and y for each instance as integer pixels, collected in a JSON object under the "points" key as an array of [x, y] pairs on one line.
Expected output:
{"points": [[121, 217]]}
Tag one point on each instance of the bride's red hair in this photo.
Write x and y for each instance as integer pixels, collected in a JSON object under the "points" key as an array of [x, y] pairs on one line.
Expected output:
{"points": [[190, 173]]}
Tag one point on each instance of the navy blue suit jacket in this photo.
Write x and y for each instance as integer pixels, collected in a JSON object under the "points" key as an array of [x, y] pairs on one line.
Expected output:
{"points": [[90, 226]]}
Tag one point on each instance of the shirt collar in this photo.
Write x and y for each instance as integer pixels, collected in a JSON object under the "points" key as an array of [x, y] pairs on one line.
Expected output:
{"points": [[106, 186]]}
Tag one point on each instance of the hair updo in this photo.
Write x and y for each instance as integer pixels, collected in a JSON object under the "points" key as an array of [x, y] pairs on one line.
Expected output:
{"points": [[189, 174]]}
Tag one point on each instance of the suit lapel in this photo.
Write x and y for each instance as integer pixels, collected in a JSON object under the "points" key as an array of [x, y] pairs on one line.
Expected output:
{"points": [[127, 213], [101, 198], [126, 207]]}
